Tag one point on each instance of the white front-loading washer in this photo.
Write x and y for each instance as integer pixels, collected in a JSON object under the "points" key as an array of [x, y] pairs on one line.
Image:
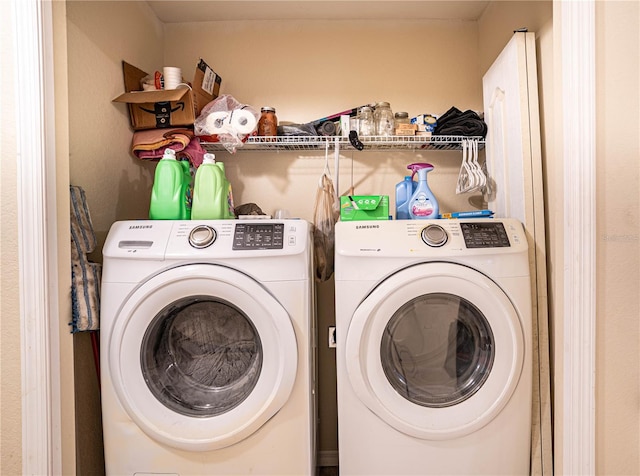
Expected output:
{"points": [[208, 348], [433, 327]]}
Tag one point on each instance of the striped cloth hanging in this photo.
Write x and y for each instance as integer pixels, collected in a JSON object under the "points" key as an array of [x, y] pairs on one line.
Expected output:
{"points": [[85, 275]]}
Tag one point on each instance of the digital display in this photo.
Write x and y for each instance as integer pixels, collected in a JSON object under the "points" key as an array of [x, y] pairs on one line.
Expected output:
{"points": [[484, 235], [258, 236]]}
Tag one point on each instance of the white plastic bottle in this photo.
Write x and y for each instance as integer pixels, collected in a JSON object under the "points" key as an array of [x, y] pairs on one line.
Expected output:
{"points": [[423, 204]]}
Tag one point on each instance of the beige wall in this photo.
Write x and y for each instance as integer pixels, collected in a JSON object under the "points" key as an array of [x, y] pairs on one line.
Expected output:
{"points": [[66, 384], [617, 237], [10, 377], [500, 19], [101, 35], [305, 81]]}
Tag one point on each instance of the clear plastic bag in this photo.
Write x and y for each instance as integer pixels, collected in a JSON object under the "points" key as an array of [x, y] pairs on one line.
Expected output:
{"points": [[325, 216], [227, 119]]}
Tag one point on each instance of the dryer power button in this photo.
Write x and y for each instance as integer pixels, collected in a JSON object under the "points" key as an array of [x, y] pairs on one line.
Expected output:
{"points": [[434, 236], [202, 236]]}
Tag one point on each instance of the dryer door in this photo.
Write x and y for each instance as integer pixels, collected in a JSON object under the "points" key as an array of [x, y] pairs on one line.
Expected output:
{"points": [[201, 356], [435, 350]]}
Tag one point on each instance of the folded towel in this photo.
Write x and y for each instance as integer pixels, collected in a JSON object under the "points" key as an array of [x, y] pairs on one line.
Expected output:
{"points": [[152, 143], [193, 152], [457, 123], [85, 275]]}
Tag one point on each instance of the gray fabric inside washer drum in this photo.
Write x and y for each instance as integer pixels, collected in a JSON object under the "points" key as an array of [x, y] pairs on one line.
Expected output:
{"points": [[201, 356]]}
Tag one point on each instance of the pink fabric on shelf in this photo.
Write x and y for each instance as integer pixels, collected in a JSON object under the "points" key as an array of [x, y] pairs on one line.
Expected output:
{"points": [[151, 144], [193, 152]]}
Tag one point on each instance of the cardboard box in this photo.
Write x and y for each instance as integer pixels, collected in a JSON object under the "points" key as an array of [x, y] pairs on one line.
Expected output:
{"points": [[407, 127], [167, 108], [405, 132], [364, 207], [425, 122]]}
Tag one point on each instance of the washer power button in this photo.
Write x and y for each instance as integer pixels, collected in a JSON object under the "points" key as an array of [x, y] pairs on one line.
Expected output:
{"points": [[434, 236], [202, 236]]}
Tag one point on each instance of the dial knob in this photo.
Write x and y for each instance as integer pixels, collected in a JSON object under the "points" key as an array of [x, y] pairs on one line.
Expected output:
{"points": [[434, 236], [202, 236]]}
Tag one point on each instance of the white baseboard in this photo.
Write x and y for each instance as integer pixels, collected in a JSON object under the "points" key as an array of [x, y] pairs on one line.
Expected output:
{"points": [[327, 458]]}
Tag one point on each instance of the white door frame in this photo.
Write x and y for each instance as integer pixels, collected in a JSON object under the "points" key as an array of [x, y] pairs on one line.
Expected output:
{"points": [[37, 237], [577, 93], [41, 403]]}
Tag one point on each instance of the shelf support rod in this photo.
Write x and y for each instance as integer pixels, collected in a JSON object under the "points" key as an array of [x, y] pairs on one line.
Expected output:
{"points": [[336, 165]]}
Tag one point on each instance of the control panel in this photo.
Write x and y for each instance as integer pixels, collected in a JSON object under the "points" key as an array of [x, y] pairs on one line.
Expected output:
{"points": [[430, 238], [258, 236], [207, 239], [484, 235]]}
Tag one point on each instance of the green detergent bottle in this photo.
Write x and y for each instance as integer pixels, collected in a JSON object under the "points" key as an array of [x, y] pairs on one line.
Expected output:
{"points": [[229, 208], [169, 194], [211, 191]]}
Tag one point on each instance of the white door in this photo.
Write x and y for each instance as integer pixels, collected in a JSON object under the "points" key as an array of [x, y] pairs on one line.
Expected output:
{"points": [[514, 165], [201, 356], [511, 113], [436, 350]]}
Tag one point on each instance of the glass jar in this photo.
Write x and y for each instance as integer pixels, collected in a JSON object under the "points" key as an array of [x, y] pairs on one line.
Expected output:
{"points": [[268, 122], [366, 123], [402, 118], [383, 117]]}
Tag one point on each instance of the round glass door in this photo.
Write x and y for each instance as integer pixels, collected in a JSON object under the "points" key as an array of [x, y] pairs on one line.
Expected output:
{"points": [[435, 350], [201, 356]]}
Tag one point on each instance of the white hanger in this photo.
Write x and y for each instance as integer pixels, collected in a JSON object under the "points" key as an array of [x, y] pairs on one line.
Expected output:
{"points": [[466, 179], [481, 179]]}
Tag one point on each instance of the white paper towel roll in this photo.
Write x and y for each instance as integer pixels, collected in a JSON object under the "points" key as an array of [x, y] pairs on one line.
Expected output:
{"points": [[216, 122], [172, 77], [238, 121], [243, 121]]}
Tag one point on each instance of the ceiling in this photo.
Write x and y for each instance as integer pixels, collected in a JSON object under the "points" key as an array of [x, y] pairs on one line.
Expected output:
{"points": [[177, 11]]}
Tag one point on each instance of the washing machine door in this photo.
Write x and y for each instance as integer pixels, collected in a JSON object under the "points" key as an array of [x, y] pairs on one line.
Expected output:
{"points": [[436, 350], [201, 356]]}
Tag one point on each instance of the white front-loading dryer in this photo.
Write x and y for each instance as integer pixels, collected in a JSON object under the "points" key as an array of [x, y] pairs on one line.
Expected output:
{"points": [[208, 348], [433, 326]]}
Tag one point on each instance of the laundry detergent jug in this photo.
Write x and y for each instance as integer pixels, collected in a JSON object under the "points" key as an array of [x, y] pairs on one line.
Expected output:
{"points": [[423, 203], [170, 184], [229, 208], [404, 191], [212, 198]]}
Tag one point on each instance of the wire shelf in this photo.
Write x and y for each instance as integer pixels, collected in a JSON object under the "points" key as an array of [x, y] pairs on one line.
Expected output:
{"points": [[292, 143]]}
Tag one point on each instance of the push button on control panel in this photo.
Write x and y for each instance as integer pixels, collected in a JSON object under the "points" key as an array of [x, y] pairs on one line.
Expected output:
{"points": [[434, 236], [202, 236]]}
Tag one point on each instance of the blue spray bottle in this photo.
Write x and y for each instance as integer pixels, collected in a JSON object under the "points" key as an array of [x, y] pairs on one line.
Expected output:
{"points": [[423, 203], [404, 191]]}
